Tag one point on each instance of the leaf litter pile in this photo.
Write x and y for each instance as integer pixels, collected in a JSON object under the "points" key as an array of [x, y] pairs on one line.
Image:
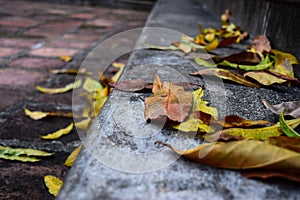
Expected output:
{"points": [[259, 149], [256, 148]]}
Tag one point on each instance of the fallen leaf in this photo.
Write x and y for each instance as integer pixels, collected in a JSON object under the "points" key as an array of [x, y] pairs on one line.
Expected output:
{"points": [[72, 157], [59, 133], [213, 45], [116, 77], [21, 154], [193, 125], [171, 101], [90, 85], [264, 78], [84, 124], [286, 128], [228, 41], [70, 71], [261, 44], [291, 143], [67, 88], [53, 184], [183, 47], [245, 154], [244, 57], [254, 133], [66, 58], [225, 17], [36, 115], [292, 108], [292, 175], [130, 85], [225, 74], [204, 63], [232, 121], [164, 48]]}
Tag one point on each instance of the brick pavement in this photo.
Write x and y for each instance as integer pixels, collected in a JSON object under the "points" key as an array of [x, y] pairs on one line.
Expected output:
{"points": [[33, 35]]}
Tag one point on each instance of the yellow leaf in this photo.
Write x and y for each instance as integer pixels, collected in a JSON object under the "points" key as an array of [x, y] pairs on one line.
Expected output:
{"points": [[91, 85], [59, 133], [36, 115], [53, 184], [67, 88], [118, 74], [66, 58], [97, 105], [190, 125], [264, 78], [211, 46], [84, 124], [70, 71], [72, 157]]}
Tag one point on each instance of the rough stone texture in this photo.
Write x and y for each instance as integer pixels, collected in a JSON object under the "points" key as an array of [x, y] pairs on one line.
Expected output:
{"points": [[120, 160]]}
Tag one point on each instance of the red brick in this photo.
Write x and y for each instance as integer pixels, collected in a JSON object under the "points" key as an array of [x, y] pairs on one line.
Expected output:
{"points": [[10, 97], [6, 52], [53, 52], [102, 23], [18, 21], [17, 78], [83, 16], [40, 33], [86, 38], [37, 63], [65, 25], [121, 12], [58, 11], [64, 43], [12, 42]]}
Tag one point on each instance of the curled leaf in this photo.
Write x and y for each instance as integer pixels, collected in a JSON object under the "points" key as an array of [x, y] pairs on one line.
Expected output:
{"points": [[70, 71], [59, 133], [225, 74], [84, 124], [53, 184], [291, 143], [67, 88], [244, 57], [66, 58], [72, 157], [21, 154], [116, 77], [292, 108], [232, 121], [213, 45], [204, 63], [261, 44], [286, 128], [292, 175], [245, 154], [264, 78]]}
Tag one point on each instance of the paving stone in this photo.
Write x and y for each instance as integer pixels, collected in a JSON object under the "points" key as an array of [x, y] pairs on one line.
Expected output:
{"points": [[18, 21], [101, 23], [37, 63], [12, 42], [17, 78], [71, 44], [10, 97], [53, 52], [83, 16], [6, 52]]}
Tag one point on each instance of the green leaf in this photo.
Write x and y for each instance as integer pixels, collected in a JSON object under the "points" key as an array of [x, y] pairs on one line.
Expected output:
{"points": [[21, 154], [286, 128], [59, 133], [53, 184], [67, 88], [204, 63]]}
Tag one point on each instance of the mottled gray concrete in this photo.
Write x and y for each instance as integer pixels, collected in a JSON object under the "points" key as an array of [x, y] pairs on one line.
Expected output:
{"points": [[120, 159]]}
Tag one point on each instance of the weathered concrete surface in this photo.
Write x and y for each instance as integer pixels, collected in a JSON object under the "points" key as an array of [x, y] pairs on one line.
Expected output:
{"points": [[120, 160]]}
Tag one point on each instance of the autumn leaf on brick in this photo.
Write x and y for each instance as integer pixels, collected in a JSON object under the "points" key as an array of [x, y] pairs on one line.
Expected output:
{"points": [[59, 133], [72, 157], [37, 115], [171, 101], [67, 88], [53, 184]]}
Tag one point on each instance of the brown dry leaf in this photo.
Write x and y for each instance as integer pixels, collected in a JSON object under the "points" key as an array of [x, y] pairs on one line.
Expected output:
{"points": [[291, 143], [129, 85], [261, 44], [228, 41], [225, 74], [292, 175], [232, 121], [292, 108], [264, 78], [243, 58], [245, 154], [171, 101]]}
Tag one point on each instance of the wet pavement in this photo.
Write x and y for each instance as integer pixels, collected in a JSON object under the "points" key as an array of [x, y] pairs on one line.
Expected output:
{"points": [[33, 36]]}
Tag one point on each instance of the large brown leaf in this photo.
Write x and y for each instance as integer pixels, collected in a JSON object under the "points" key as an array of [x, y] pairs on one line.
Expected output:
{"points": [[245, 154], [171, 101], [261, 44], [292, 108]]}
